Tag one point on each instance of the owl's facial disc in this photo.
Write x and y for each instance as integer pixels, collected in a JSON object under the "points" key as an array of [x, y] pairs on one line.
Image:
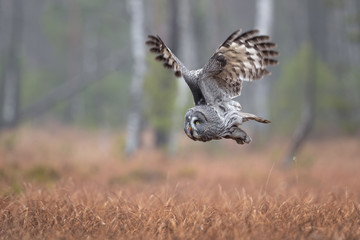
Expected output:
{"points": [[195, 124], [189, 127], [194, 121]]}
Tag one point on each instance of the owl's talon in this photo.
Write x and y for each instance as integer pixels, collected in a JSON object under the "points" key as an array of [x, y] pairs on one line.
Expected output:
{"points": [[239, 141], [247, 139]]}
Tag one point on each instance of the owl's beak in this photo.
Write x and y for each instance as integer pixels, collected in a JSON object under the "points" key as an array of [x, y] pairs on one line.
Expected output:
{"points": [[188, 130]]}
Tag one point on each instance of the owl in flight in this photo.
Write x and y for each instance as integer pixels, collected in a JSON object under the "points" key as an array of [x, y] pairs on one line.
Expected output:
{"points": [[242, 57]]}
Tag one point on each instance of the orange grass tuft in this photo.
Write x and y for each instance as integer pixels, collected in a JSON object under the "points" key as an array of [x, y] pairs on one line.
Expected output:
{"points": [[75, 186]]}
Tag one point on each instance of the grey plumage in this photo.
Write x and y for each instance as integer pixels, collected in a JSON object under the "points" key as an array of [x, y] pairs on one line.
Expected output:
{"points": [[242, 57], [204, 123]]}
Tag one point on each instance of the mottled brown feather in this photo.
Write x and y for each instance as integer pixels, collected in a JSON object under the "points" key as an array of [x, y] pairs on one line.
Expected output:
{"points": [[269, 53], [266, 45], [246, 35], [165, 55], [246, 57], [231, 37]]}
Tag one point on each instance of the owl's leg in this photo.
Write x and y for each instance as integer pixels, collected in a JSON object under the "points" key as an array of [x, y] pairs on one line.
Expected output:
{"points": [[248, 116], [239, 135], [228, 106], [234, 105], [233, 120]]}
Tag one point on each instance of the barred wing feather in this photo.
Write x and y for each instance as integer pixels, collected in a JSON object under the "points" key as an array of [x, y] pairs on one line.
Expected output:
{"points": [[243, 57], [165, 55]]}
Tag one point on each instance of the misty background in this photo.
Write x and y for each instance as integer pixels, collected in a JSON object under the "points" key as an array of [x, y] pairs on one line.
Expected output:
{"points": [[84, 64]]}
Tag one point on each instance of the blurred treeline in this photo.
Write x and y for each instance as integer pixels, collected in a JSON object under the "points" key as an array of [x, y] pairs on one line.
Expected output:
{"points": [[70, 61]]}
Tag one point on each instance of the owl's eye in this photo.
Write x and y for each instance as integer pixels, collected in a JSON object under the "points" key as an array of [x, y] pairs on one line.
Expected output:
{"points": [[197, 122]]}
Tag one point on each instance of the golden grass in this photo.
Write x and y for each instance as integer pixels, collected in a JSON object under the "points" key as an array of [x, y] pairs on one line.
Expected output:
{"points": [[68, 184]]}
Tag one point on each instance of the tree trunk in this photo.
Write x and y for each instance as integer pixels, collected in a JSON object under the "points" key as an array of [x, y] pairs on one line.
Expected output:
{"points": [[307, 113], [4, 29], [74, 58], [136, 8], [10, 102], [187, 56], [263, 22], [309, 100], [162, 135]]}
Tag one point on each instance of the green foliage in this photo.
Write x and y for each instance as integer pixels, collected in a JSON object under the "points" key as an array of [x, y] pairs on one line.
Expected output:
{"points": [[105, 101], [354, 36], [286, 109], [334, 3], [54, 26], [43, 174], [35, 83], [90, 6], [56, 23], [8, 142], [289, 92], [160, 92], [353, 32], [347, 105]]}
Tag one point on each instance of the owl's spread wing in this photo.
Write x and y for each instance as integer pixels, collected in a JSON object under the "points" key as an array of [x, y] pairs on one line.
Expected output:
{"points": [[242, 57], [165, 55]]}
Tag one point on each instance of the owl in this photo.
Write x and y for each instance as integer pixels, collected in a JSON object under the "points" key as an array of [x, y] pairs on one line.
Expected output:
{"points": [[241, 57], [203, 123]]}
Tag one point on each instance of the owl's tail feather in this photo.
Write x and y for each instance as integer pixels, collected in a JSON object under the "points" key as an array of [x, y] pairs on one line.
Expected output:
{"points": [[248, 116]]}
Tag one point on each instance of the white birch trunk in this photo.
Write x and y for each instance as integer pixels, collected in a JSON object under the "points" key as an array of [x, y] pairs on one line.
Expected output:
{"points": [[136, 9], [186, 55], [263, 22], [9, 113]]}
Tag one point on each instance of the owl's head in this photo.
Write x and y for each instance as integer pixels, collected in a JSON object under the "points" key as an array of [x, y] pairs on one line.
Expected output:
{"points": [[201, 123]]}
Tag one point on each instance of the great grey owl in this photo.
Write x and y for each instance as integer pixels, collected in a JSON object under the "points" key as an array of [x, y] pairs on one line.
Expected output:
{"points": [[242, 57]]}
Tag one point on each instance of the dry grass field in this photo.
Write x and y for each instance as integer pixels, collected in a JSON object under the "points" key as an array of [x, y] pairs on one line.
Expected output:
{"points": [[67, 184]]}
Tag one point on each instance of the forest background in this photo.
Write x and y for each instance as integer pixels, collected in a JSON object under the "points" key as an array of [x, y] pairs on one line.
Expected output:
{"points": [[91, 126], [70, 62]]}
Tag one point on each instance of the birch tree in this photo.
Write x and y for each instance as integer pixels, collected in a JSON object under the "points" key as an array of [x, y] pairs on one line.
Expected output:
{"points": [[136, 9], [187, 56], [10, 82], [74, 55], [263, 22], [308, 110]]}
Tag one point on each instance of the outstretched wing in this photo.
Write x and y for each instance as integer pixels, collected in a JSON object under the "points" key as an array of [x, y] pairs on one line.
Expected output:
{"points": [[242, 57], [165, 55]]}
